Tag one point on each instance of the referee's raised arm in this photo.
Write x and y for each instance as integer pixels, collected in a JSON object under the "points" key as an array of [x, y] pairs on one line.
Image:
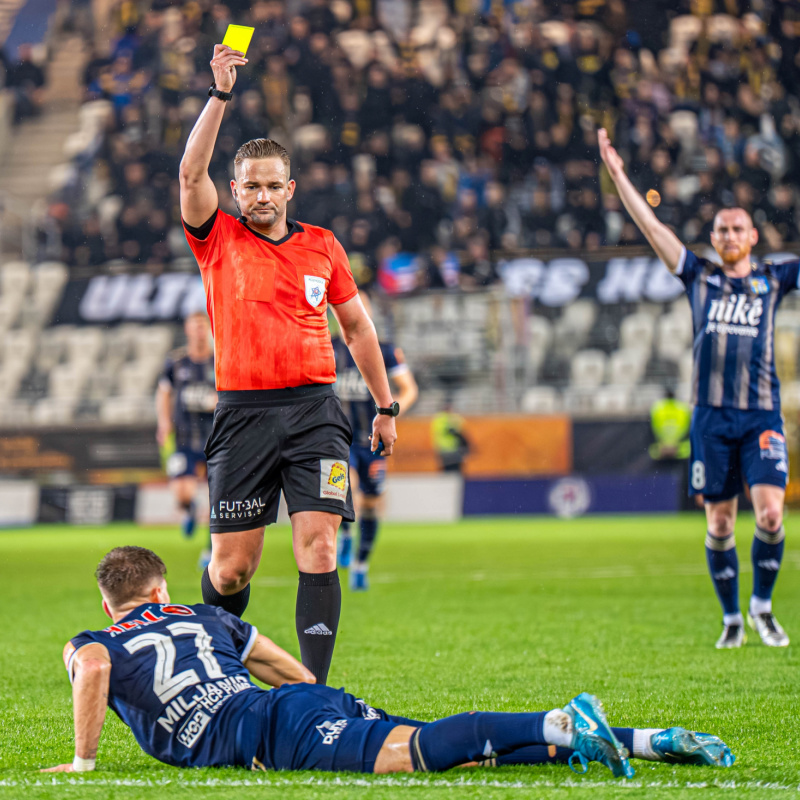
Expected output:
{"points": [[198, 195]]}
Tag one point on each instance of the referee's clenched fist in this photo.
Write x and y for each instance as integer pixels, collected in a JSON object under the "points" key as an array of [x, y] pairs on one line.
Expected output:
{"points": [[278, 425]]}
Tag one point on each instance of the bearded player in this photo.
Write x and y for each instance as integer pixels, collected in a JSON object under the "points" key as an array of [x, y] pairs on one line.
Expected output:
{"points": [[180, 677], [737, 431]]}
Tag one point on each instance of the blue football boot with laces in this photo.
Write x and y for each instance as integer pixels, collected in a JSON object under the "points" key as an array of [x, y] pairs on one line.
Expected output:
{"points": [[679, 746], [593, 739]]}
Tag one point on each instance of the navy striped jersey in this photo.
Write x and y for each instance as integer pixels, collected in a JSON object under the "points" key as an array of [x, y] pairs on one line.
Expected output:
{"points": [[734, 332], [178, 680], [352, 389], [194, 398]]}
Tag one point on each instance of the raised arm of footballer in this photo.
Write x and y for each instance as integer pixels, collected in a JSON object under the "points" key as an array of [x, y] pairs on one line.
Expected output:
{"points": [[666, 244], [278, 427]]}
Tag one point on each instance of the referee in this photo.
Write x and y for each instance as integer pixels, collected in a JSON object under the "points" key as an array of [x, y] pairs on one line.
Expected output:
{"points": [[278, 425]]}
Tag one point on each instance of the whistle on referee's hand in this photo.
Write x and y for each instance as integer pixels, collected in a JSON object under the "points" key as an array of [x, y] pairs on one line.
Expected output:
{"points": [[379, 449]]}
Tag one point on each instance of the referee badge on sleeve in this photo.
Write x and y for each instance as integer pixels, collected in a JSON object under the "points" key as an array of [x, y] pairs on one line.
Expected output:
{"points": [[333, 479], [315, 289]]}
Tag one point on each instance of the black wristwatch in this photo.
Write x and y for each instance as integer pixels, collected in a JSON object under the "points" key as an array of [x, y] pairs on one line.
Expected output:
{"points": [[392, 411], [219, 94]]}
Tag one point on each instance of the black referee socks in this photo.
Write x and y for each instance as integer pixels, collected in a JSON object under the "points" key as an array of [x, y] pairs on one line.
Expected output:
{"points": [[235, 603], [319, 602]]}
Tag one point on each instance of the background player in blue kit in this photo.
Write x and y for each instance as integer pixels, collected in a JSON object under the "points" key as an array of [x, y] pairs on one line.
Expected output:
{"points": [[737, 431], [367, 469], [185, 401], [179, 677]]}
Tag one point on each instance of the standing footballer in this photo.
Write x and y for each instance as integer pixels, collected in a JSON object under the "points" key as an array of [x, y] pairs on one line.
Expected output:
{"points": [[185, 403], [368, 467], [278, 425], [737, 428]]}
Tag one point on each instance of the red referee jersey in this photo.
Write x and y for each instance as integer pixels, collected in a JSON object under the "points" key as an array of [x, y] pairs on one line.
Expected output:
{"points": [[267, 301]]}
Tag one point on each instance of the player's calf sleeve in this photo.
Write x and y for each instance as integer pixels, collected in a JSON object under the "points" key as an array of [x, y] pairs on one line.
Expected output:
{"points": [[767, 554], [234, 603], [368, 529], [723, 564], [474, 736], [319, 603]]}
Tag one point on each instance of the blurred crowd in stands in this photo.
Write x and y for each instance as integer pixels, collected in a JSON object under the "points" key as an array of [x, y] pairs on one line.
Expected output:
{"points": [[25, 79], [450, 130]]}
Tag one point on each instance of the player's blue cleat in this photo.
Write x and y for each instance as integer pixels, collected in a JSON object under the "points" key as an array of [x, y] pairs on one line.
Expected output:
{"points": [[345, 550], [188, 523], [679, 746], [593, 739], [204, 560], [359, 578]]}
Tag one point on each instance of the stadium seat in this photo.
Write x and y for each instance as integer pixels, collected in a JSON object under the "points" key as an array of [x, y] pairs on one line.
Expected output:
{"points": [[626, 366], [540, 336], [572, 328], [85, 345], [612, 400], [540, 400], [19, 344], [137, 378], [66, 382], [685, 367], [127, 410], [15, 278], [636, 330], [673, 337], [153, 341], [10, 308], [644, 396], [11, 374], [588, 369]]}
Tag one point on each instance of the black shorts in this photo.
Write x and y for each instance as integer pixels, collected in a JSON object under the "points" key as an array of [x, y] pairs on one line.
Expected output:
{"points": [[262, 442]]}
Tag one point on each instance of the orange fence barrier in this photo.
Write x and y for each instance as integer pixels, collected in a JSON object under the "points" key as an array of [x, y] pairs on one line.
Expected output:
{"points": [[499, 446]]}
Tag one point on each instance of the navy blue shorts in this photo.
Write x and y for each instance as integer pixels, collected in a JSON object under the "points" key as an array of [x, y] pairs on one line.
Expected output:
{"points": [[371, 470], [185, 462], [730, 447], [305, 726]]}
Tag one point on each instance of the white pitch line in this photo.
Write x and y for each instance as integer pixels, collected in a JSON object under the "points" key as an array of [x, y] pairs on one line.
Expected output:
{"points": [[390, 781], [600, 573]]}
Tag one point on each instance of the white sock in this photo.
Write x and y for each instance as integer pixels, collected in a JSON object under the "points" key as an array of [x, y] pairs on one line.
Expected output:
{"points": [[733, 619], [760, 606], [558, 728], [642, 747]]}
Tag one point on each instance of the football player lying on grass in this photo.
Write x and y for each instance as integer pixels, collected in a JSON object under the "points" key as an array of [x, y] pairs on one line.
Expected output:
{"points": [[180, 677]]}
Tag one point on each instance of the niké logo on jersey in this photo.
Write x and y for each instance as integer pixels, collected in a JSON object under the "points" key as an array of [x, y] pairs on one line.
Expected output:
{"points": [[736, 315]]}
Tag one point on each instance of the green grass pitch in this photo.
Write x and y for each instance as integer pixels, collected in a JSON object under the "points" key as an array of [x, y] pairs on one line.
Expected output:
{"points": [[511, 614]]}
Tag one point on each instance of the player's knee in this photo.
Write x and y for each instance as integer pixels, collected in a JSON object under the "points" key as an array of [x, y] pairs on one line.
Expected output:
{"points": [[317, 552], [230, 576], [721, 525], [770, 517]]}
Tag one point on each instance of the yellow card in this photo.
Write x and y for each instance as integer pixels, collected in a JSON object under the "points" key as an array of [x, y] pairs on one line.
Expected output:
{"points": [[238, 37]]}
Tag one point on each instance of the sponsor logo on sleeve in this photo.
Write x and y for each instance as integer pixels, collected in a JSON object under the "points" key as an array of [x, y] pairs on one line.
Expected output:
{"points": [[315, 289], [333, 479]]}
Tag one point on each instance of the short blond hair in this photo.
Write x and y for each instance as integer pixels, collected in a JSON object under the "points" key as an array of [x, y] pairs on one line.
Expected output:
{"points": [[263, 148]]}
